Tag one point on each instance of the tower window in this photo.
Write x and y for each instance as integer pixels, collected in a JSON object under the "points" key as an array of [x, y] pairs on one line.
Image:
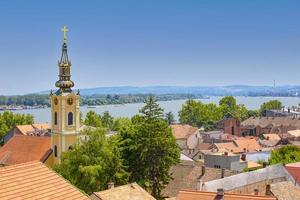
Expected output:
{"points": [[55, 150], [55, 118], [70, 118]]}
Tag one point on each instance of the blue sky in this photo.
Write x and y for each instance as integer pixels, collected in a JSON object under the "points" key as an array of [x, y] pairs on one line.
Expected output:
{"points": [[153, 42]]}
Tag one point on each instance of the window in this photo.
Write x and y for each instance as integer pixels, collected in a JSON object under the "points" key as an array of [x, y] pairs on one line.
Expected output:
{"points": [[70, 118], [55, 150], [55, 118], [70, 147], [232, 130]]}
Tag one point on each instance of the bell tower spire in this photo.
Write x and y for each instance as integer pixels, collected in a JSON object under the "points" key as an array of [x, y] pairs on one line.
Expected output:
{"points": [[65, 110], [64, 83]]}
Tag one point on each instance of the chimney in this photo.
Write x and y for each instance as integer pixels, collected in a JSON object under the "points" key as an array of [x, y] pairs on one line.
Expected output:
{"points": [[243, 157], [268, 190], [264, 164], [289, 110], [202, 170], [110, 185], [199, 185], [222, 172], [220, 192]]}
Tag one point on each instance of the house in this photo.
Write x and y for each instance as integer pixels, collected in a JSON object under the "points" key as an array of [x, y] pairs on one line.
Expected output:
{"points": [[294, 134], [240, 145], [29, 129], [22, 148], [255, 126], [126, 192], [285, 191], [212, 136], [219, 195], [187, 137], [225, 160], [34, 180], [198, 152], [270, 140], [191, 175], [254, 182]]}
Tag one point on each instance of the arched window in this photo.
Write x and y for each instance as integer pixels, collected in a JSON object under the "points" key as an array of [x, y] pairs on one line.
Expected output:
{"points": [[55, 150], [70, 147], [70, 118], [55, 118]]}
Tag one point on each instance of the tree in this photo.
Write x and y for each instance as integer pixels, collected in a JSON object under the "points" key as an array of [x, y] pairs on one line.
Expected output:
{"points": [[92, 119], [270, 105], [170, 118], [8, 120], [107, 120], [196, 113], [149, 149], [92, 163], [285, 155]]}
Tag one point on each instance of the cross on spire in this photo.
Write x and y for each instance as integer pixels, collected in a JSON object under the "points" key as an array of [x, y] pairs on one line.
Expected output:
{"points": [[65, 30]]}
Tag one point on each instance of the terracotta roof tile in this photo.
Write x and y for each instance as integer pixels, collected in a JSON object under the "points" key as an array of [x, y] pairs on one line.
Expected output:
{"points": [[20, 149], [33, 180], [126, 192], [285, 191], [197, 195], [25, 129], [182, 131], [185, 176]]}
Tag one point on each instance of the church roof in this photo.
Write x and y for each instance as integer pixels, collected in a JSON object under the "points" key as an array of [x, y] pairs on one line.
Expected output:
{"points": [[21, 149], [33, 180]]}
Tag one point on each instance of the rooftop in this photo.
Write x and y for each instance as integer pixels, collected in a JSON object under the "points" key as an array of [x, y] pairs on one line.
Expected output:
{"points": [[125, 192], [21, 149], [26, 129], [33, 180], [181, 131], [285, 191], [197, 195], [185, 176], [247, 178]]}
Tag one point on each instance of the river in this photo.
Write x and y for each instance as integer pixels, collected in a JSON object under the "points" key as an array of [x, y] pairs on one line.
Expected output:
{"points": [[128, 110]]}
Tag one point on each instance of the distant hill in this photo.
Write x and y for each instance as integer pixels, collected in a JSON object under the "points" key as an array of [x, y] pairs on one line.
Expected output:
{"points": [[235, 90]]}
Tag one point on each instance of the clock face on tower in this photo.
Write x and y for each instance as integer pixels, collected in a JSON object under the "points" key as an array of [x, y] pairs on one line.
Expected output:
{"points": [[70, 101]]}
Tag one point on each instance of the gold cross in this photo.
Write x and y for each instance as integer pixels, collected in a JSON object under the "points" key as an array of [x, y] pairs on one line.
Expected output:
{"points": [[65, 30]]}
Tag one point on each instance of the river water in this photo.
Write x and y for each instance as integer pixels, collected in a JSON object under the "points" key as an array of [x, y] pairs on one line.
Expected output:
{"points": [[128, 110]]}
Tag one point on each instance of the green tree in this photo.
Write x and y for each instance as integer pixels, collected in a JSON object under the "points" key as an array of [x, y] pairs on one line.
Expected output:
{"points": [[285, 155], [8, 120], [198, 114], [92, 119], [170, 118], [107, 120], [149, 149], [93, 162], [121, 123], [270, 105]]}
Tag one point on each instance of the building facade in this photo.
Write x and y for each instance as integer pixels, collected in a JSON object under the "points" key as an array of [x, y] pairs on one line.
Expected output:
{"points": [[65, 113]]}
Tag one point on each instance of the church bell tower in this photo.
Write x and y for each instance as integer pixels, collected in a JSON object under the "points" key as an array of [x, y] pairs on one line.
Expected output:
{"points": [[65, 113]]}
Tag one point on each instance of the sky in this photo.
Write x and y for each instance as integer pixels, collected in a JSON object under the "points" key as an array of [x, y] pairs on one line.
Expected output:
{"points": [[149, 42]]}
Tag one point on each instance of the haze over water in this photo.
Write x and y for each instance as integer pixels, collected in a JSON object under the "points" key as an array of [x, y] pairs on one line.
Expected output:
{"points": [[128, 110]]}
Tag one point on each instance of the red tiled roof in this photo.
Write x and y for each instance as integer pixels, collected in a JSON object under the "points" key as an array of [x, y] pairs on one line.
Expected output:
{"points": [[294, 171], [21, 149], [197, 195], [33, 180], [181, 131]]}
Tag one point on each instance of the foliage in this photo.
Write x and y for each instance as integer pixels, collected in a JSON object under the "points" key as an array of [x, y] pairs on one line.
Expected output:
{"points": [[170, 118], [270, 105], [149, 148], [93, 119], [107, 120], [92, 163], [8, 120], [198, 114], [285, 155]]}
